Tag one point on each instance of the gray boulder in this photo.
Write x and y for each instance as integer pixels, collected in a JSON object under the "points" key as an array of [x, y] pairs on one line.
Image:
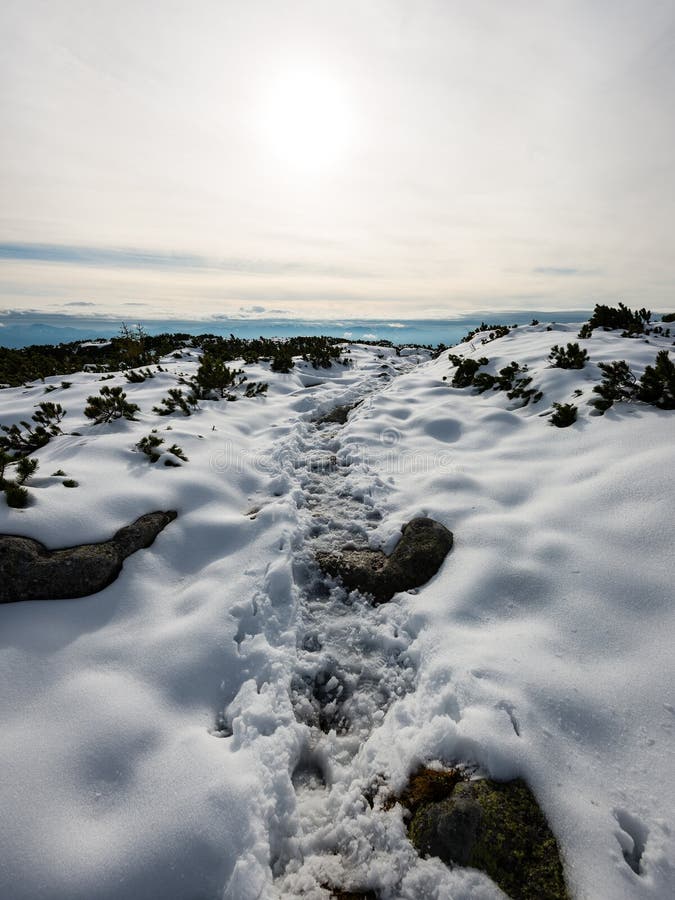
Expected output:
{"points": [[29, 571], [417, 558]]}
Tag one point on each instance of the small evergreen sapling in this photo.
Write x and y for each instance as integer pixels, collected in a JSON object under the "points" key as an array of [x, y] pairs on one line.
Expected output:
{"points": [[657, 385], [570, 357], [176, 400], [256, 389], [138, 376], [214, 378], [150, 444], [618, 384], [16, 495], [565, 415], [25, 469], [110, 404], [466, 370]]}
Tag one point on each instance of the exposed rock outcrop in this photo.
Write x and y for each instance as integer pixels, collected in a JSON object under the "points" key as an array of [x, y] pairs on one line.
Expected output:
{"points": [[493, 826], [417, 558], [339, 414], [29, 571]]}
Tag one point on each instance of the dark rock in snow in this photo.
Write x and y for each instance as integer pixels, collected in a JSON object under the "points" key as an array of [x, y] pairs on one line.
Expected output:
{"points": [[496, 827], [339, 414], [29, 571], [417, 557]]}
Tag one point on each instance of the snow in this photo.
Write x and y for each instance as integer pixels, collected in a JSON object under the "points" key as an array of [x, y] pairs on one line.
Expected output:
{"points": [[159, 738]]}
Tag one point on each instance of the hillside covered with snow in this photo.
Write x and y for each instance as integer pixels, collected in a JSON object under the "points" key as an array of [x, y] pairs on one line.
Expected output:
{"points": [[225, 721]]}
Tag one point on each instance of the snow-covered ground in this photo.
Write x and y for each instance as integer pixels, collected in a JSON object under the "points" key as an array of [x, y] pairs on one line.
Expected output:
{"points": [[217, 722]]}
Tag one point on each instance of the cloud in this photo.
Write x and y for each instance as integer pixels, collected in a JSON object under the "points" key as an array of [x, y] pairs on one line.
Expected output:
{"points": [[130, 258], [395, 325], [563, 271], [79, 303], [370, 337]]}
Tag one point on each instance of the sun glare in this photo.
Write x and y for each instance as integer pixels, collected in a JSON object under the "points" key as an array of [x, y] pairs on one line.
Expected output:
{"points": [[307, 121]]}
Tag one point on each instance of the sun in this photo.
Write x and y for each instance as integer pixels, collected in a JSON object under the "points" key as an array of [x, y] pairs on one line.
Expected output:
{"points": [[308, 121]]}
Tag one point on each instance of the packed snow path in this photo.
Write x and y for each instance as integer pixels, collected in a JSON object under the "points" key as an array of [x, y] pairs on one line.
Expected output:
{"points": [[351, 661]]}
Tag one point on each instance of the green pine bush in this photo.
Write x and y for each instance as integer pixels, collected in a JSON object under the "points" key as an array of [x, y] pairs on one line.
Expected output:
{"points": [[110, 404], [570, 357], [618, 384], [17, 496], [657, 385], [565, 415], [176, 400]]}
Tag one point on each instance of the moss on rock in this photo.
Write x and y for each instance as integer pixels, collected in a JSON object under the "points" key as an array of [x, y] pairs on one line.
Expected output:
{"points": [[493, 826]]}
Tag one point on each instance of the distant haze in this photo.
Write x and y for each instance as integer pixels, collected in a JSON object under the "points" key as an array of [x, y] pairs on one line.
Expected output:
{"points": [[381, 159]]}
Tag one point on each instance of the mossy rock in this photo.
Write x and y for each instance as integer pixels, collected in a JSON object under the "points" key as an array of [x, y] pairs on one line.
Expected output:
{"points": [[338, 415], [416, 559], [493, 826]]}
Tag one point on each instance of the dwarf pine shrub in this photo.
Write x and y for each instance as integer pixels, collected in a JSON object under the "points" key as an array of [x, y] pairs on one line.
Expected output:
{"points": [[214, 378], [149, 445], [110, 404], [256, 388], [282, 360], [178, 452], [565, 415], [489, 332], [618, 384], [609, 317], [570, 357], [16, 495], [516, 384], [466, 370], [137, 376], [176, 400], [25, 468], [657, 385]]}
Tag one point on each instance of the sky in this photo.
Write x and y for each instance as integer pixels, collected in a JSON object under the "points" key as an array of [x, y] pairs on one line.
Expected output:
{"points": [[380, 158]]}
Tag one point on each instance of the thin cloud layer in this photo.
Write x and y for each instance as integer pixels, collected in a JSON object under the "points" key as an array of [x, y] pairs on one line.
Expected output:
{"points": [[499, 155]]}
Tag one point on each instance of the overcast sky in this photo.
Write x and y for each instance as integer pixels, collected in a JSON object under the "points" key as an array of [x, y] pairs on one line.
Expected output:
{"points": [[349, 158]]}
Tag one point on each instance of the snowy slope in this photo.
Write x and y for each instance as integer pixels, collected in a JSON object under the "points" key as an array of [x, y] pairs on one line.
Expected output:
{"points": [[160, 738]]}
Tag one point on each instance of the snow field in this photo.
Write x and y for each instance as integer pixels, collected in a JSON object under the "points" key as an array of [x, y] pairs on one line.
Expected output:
{"points": [[216, 721]]}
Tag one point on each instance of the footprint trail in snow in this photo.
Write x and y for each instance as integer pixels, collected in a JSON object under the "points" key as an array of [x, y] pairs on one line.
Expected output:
{"points": [[350, 664]]}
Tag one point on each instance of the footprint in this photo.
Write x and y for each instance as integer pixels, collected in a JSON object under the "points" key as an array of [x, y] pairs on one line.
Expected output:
{"points": [[632, 838], [308, 774], [510, 710]]}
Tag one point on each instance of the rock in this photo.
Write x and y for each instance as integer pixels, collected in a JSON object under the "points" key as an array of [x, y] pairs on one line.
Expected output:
{"points": [[29, 571], [338, 414], [496, 827], [417, 558], [339, 894], [448, 829]]}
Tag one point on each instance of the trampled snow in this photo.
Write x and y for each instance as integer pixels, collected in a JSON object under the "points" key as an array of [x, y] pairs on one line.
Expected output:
{"points": [[160, 738]]}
